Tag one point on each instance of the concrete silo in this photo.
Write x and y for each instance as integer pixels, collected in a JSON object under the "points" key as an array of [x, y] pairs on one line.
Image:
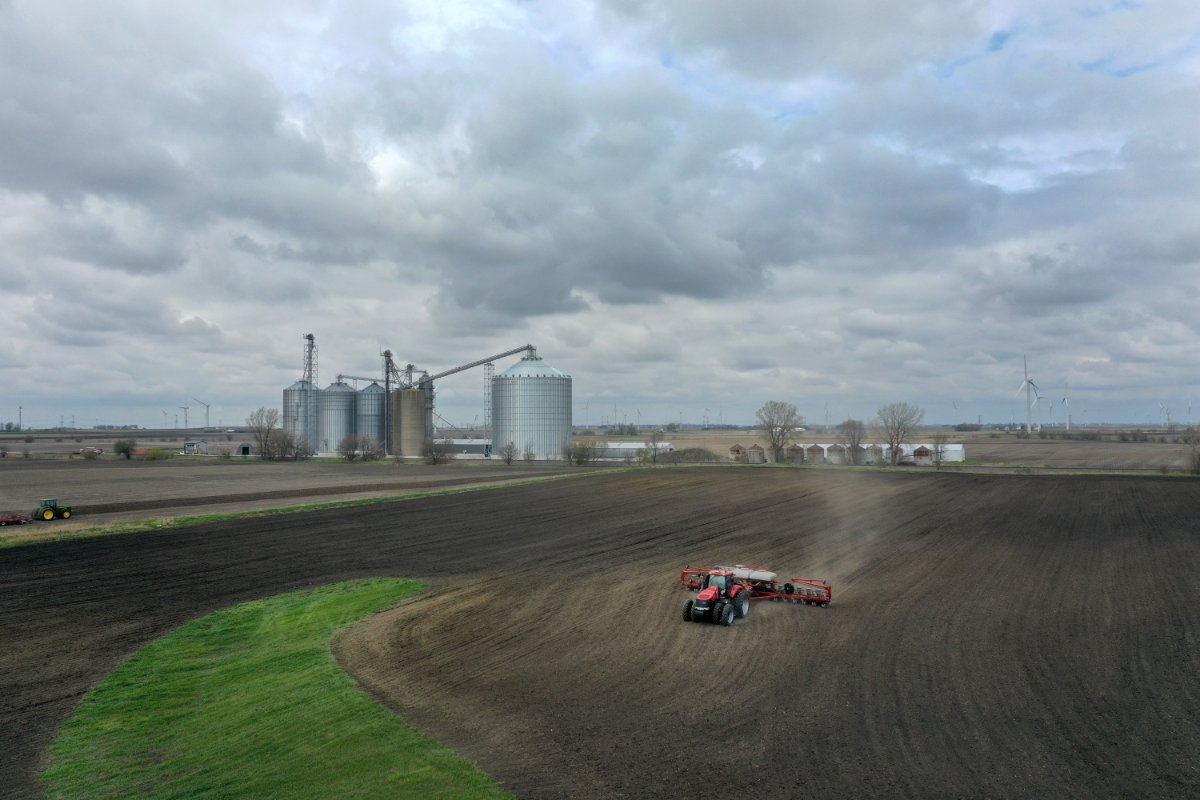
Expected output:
{"points": [[409, 424], [368, 412], [531, 409], [336, 406]]}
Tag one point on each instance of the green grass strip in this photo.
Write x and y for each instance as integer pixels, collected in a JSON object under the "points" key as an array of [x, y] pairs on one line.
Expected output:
{"points": [[248, 702]]}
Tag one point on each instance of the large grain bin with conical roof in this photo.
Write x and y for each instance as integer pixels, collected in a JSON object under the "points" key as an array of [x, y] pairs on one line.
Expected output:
{"points": [[369, 412], [531, 409], [337, 416], [300, 401]]}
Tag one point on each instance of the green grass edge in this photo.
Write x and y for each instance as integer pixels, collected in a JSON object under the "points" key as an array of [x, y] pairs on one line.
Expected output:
{"points": [[249, 702]]}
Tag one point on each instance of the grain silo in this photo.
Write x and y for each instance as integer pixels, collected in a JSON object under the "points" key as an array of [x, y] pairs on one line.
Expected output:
{"points": [[368, 412], [300, 403], [409, 430], [531, 409], [336, 404]]}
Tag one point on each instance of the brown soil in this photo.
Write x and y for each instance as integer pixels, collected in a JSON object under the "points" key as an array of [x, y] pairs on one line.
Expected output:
{"points": [[102, 492], [989, 636]]}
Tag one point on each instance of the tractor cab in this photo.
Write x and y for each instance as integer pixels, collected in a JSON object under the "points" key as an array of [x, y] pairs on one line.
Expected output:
{"points": [[720, 599], [719, 579]]}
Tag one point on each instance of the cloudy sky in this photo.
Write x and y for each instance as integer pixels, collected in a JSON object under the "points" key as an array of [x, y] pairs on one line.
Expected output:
{"points": [[691, 206]]}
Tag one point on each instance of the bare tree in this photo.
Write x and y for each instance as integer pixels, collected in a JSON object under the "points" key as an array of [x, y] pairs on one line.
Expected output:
{"points": [[1193, 438], [262, 425], [435, 451], [779, 421], [852, 432], [939, 449], [508, 453], [371, 449], [293, 447], [528, 454], [897, 421], [583, 452], [654, 444], [349, 447]]}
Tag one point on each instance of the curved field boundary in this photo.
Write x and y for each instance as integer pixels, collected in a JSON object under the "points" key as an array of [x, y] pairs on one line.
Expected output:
{"points": [[248, 702]]}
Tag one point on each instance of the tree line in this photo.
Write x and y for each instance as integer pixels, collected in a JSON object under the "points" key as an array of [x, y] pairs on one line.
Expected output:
{"points": [[896, 422]]}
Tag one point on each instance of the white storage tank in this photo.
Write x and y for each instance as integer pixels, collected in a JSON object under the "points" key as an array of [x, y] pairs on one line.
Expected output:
{"points": [[531, 409], [368, 412], [336, 404]]}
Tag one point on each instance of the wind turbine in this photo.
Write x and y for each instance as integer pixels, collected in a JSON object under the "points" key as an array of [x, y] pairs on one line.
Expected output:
{"points": [[1037, 401], [1066, 401], [1030, 390], [185, 410], [1166, 414], [164, 418], [206, 407]]}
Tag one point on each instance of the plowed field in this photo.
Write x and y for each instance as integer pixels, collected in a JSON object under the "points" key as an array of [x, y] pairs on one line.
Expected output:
{"points": [[989, 636]]}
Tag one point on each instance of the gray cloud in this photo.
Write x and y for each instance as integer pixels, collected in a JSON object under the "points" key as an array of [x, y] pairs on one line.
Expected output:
{"points": [[769, 39], [853, 204]]}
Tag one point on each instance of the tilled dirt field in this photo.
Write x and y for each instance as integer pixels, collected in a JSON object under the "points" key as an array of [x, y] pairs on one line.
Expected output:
{"points": [[989, 636], [102, 492]]}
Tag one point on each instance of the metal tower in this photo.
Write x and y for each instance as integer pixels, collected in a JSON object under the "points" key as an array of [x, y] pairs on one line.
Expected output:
{"points": [[310, 401], [489, 371]]}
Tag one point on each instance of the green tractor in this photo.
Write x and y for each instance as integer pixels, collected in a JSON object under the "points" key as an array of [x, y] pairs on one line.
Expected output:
{"points": [[49, 508]]}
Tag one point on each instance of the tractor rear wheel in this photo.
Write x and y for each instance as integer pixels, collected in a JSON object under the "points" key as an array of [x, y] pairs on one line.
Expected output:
{"points": [[727, 615], [687, 611], [48, 514], [741, 604]]}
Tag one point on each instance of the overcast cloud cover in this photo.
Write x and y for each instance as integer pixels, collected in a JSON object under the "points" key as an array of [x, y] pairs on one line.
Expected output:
{"points": [[685, 204]]}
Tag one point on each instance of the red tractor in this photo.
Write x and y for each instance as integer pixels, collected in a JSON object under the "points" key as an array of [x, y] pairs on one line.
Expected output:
{"points": [[722, 598], [726, 592]]}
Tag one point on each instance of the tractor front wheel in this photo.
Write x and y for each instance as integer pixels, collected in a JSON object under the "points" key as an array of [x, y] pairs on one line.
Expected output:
{"points": [[687, 611], [727, 615], [66, 514], [718, 610]]}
